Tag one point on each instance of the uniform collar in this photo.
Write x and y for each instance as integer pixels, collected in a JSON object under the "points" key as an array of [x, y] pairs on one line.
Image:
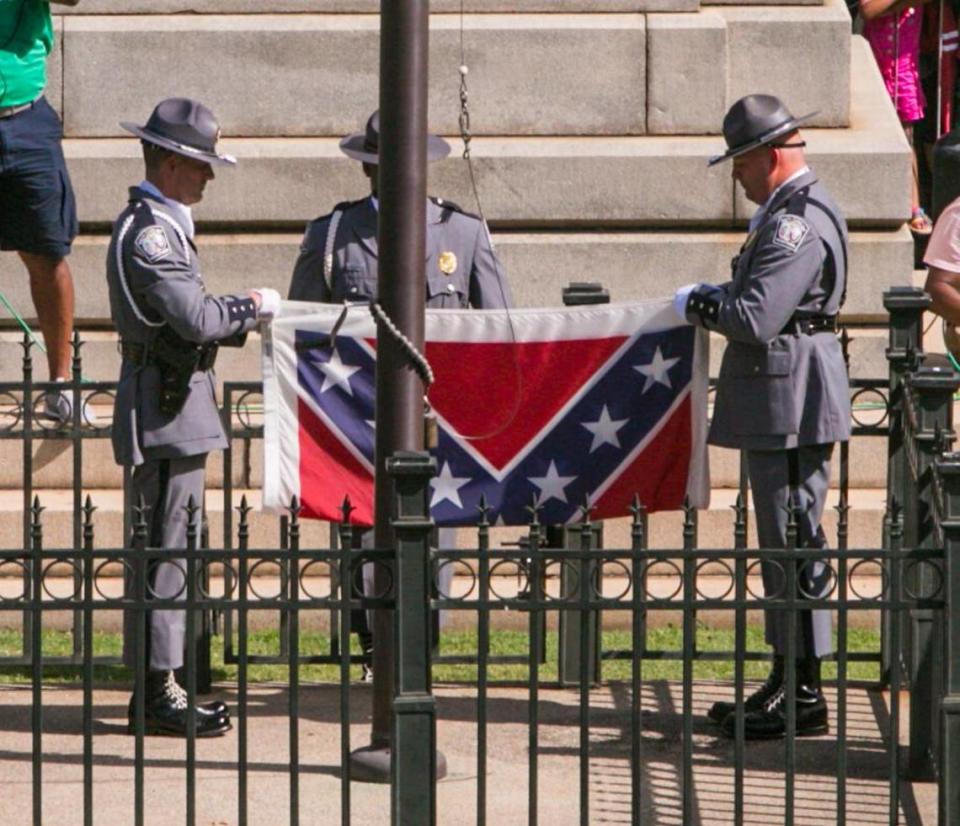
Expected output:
{"points": [[434, 211], [794, 182], [181, 213]]}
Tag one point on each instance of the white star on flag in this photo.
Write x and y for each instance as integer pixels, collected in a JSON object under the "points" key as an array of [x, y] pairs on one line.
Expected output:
{"points": [[604, 430], [656, 371], [552, 485], [446, 486], [337, 374]]}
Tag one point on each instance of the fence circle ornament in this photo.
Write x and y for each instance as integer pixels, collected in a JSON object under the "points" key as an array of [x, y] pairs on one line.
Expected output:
{"points": [[248, 408], [102, 400], [912, 572], [75, 577], [128, 577], [773, 577], [318, 570], [11, 412], [869, 407], [855, 572], [509, 568], [262, 568], [672, 572], [357, 591], [602, 573], [204, 592], [727, 573], [558, 570], [19, 573], [175, 563], [457, 565], [826, 576]]}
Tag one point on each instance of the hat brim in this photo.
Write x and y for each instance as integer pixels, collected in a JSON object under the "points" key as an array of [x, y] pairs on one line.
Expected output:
{"points": [[354, 146], [213, 158], [784, 128]]}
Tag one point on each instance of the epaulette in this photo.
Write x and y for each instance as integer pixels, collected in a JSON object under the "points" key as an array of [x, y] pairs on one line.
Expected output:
{"points": [[452, 207], [343, 206]]}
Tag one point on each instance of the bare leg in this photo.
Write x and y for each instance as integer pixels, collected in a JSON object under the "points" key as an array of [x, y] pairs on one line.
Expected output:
{"points": [[51, 286]]}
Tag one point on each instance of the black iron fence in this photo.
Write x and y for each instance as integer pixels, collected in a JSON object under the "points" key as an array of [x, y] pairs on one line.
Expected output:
{"points": [[908, 579]]}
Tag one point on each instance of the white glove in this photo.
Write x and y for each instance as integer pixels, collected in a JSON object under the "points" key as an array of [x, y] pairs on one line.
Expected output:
{"points": [[680, 298], [269, 302]]}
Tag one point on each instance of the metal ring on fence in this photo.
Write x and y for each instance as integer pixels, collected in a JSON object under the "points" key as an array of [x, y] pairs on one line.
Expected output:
{"points": [[357, 561], [11, 412], [305, 574], [522, 574], [598, 578], [572, 575], [729, 571], [914, 565], [128, 574], [884, 580], [463, 566], [77, 585], [651, 572], [868, 392], [206, 593], [179, 564], [832, 579], [778, 593], [281, 578], [246, 406], [15, 563]]}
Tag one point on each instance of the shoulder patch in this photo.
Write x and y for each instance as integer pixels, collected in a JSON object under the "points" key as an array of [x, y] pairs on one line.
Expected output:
{"points": [[790, 232], [153, 243]]}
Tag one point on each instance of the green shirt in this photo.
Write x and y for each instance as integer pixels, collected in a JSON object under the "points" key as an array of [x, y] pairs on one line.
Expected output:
{"points": [[26, 38]]}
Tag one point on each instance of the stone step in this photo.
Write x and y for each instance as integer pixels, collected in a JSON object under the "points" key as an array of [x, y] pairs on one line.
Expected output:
{"points": [[373, 6], [526, 182], [530, 74], [631, 265], [715, 524]]}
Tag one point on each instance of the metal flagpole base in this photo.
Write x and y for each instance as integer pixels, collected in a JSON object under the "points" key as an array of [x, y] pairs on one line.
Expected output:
{"points": [[371, 764]]}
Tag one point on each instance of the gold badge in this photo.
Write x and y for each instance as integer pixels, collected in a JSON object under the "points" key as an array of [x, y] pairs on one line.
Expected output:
{"points": [[448, 263]]}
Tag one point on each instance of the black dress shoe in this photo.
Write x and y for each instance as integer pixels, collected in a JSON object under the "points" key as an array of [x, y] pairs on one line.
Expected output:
{"points": [[166, 711], [720, 710], [770, 722], [215, 708]]}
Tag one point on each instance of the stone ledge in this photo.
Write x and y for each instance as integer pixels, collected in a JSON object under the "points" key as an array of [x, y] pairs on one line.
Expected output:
{"points": [[256, 72], [632, 265]]}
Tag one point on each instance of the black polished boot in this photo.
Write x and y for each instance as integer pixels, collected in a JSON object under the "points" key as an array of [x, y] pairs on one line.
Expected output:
{"points": [[770, 722], [720, 710], [166, 710]]}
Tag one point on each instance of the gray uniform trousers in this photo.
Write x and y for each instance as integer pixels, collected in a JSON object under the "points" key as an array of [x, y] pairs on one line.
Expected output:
{"points": [[770, 483], [166, 486]]}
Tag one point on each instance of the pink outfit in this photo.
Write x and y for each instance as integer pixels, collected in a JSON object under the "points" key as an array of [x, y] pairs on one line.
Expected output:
{"points": [[895, 40]]}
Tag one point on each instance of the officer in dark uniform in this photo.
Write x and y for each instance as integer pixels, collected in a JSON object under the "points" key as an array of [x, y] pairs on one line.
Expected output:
{"points": [[166, 417], [338, 262], [782, 394]]}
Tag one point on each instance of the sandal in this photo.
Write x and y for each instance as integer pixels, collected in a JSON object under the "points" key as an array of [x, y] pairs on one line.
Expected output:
{"points": [[920, 222]]}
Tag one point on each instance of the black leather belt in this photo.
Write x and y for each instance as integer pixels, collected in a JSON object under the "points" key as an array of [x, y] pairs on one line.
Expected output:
{"points": [[139, 354], [811, 325]]}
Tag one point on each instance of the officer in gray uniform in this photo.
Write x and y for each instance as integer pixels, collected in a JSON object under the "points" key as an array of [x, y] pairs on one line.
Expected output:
{"points": [[338, 263], [782, 394], [166, 417]]}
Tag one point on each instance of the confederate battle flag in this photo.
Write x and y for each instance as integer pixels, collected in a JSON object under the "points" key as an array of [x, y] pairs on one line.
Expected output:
{"points": [[560, 407]]}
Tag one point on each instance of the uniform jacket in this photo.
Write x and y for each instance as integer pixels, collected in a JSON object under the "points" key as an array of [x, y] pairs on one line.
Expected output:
{"points": [[153, 276], [461, 267], [779, 388]]}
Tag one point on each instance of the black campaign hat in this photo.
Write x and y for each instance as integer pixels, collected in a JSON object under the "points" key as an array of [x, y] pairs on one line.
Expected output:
{"points": [[365, 146], [753, 121], [183, 126]]}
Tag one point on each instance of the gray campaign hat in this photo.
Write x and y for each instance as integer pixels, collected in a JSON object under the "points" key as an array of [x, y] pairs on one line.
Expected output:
{"points": [[756, 120], [183, 126], [365, 146]]}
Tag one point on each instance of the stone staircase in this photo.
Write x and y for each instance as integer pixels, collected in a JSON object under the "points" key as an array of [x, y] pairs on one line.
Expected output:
{"points": [[593, 121]]}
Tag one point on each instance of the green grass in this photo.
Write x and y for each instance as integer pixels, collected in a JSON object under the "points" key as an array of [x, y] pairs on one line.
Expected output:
{"points": [[668, 638]]}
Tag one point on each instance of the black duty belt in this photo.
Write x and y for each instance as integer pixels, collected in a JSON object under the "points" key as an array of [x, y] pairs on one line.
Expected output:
{"points": [[139, 354], [810, 325]]}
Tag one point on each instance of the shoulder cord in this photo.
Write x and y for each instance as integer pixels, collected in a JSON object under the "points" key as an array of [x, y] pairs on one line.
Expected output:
{"points": [[327, 270]]}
